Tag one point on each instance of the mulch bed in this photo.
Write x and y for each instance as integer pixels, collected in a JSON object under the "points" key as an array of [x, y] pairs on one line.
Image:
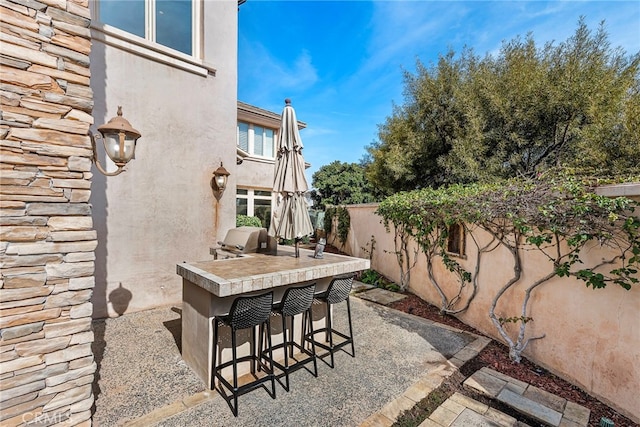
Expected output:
{"points": [[496, 356]]}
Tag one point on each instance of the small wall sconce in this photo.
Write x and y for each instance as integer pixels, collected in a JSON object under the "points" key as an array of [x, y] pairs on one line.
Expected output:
{"points": [[219, 181], [119, 139]]}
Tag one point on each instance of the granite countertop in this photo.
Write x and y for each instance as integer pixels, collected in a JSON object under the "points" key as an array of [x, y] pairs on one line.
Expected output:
{"points": [[253, 272]]}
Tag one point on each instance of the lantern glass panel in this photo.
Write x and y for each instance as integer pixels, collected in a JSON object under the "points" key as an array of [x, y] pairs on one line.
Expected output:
{"points": [[112, 147]]}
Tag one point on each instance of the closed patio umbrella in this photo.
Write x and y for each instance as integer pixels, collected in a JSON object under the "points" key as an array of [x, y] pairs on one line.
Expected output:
{"points": [[291, 216]]}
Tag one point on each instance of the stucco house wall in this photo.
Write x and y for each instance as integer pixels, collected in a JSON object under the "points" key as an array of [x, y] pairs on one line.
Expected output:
{"points": [[162, 210], [592, 339]]}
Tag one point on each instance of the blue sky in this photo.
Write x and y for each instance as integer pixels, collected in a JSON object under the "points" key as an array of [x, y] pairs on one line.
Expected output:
{"points": [[341, 62]]}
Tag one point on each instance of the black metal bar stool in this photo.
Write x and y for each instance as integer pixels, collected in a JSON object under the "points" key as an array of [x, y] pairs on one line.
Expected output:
{"points": [[338, 291], [246, 312], [296, 300]]}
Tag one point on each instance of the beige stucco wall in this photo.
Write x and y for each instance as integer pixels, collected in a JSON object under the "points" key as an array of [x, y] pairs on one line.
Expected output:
{"points": [[255, 173], [162, 210], [592, 338]]}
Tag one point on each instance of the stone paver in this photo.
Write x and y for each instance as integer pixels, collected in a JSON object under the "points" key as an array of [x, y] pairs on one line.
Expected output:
{"points": [[462, 411], [381, 296], [517, 384], [393, 409], [470, 403], [576, 413], [554, 402], [469, 418], [528, 399], [443, 416], [530, 407], [568, 423], [453, 406], [500, 417], [485, 383]]}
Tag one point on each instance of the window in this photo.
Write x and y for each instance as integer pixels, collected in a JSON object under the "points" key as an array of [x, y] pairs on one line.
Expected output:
{"points": [[455, 241], [243, 136], [166, 22], [254, 203], [256, 140]]}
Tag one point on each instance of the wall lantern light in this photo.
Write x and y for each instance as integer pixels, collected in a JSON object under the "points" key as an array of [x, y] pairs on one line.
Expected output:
{"points": [[219, 181], [119, 139]]}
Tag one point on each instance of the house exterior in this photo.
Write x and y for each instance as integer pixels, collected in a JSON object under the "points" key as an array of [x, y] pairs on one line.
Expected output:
{"points": [[257, 135], [75, 243]]}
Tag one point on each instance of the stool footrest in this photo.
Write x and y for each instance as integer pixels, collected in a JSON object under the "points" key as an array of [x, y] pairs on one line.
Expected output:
{"points": [[298, 363], [326, 346]]}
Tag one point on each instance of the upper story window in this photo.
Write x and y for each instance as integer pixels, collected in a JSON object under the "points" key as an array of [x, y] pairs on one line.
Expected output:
{"points": [[170, 23], [256, 140]]}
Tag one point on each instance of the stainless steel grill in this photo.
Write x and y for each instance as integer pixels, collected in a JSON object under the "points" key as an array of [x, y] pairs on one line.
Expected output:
{"points": [[244, 240]]}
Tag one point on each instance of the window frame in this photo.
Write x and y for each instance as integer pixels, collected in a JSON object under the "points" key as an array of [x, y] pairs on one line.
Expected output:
{"points": [[460, 236], [251, 196], [251, 139], [145, 47]]}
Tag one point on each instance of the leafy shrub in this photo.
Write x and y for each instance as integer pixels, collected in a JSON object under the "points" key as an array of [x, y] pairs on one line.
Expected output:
{"points": [[248, 221], [370, 277]]}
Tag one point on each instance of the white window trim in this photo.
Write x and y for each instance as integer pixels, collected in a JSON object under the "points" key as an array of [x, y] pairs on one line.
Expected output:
{"points": [[149, 49], [251, 197], [251, 141]]}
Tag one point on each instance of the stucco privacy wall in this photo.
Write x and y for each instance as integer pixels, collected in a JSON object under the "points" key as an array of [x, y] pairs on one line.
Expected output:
{"points": [[162, 210], [592, 338], [47, 250]]}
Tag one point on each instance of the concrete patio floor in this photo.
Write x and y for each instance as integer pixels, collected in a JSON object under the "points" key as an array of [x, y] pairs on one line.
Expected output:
{"points": [[142, 379]]}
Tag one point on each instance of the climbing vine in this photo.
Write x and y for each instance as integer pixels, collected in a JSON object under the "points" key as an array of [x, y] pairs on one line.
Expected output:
{"points": [[339, 214], [558, 217]]}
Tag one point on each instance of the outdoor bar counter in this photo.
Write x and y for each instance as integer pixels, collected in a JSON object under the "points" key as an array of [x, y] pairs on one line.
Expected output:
{"points": [[209, 288]]}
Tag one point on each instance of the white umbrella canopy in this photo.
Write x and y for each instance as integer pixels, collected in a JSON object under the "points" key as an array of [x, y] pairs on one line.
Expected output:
{"points": [[291, 217]]}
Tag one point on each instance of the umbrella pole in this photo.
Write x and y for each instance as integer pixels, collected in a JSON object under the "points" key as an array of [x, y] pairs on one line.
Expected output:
{"points": [[297, 249]]}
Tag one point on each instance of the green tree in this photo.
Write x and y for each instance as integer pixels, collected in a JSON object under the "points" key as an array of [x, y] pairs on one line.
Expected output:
{"points": [[340, 183], [520, 112]]}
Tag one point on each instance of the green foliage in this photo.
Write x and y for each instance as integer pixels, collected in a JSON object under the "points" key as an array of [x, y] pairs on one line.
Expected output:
{"points": [[248, 221], [370, 248], [515, 319], [341, 183], [370, 277], [574, 104], [556, 215], [344, 223], [328, 219], [341, 214]]}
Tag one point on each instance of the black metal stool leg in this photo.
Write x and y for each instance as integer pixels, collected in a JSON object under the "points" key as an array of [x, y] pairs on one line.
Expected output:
{"points": [[234, 352], [313, 345], [291, 336], [214, 369], [271, 372], [330, 332], [353, 348]]}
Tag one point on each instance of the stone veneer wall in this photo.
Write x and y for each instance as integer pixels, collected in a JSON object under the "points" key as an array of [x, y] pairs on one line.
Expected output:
{"points": [[47, 237]]}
